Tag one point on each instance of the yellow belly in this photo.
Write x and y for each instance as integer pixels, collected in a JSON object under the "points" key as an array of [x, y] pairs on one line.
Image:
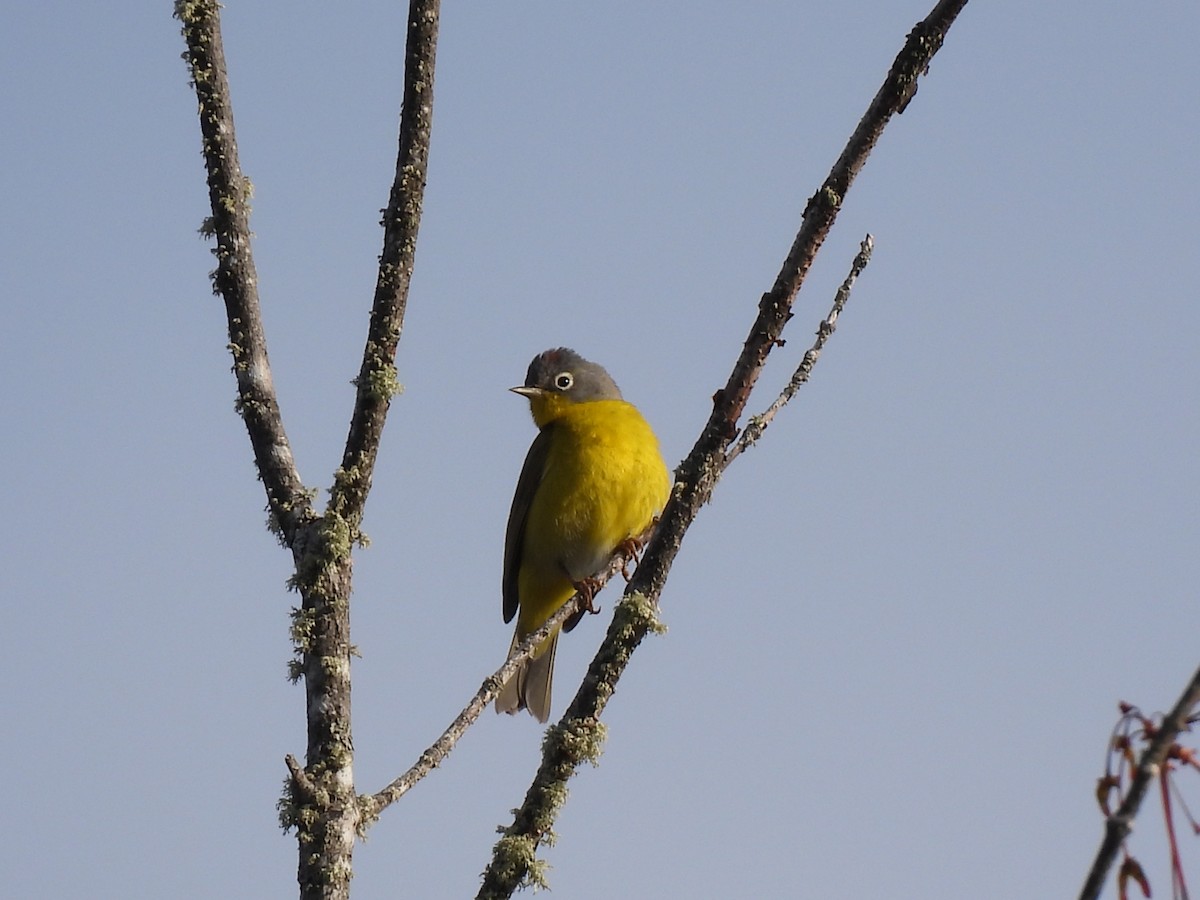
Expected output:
{"points": [[604, 482]]}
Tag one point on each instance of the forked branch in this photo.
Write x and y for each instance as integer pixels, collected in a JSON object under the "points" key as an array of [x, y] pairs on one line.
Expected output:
{"points": [[319, 801], [573, 740]]}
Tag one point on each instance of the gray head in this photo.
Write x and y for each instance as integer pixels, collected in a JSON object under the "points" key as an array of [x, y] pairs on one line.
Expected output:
{"points": [[564, 372]]}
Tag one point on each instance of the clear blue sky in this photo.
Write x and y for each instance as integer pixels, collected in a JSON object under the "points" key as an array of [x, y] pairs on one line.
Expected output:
{"points": [[898, 634]]}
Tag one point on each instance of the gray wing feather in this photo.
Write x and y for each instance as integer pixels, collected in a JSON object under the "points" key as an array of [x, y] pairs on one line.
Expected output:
{"points": [[514, 538]]}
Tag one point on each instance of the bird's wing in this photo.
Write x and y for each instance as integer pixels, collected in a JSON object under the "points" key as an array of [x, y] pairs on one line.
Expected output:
{"points": [[514, 538]]}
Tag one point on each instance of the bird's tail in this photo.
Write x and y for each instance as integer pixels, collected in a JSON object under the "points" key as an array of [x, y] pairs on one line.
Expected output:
{"points": [[529, 688]]}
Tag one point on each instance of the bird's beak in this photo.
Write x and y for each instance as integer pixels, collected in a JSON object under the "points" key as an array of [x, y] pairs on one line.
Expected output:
{"points": [[529, 392]]}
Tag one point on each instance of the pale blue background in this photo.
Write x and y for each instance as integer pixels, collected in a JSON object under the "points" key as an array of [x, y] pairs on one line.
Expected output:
{"points": [[898, 634]]}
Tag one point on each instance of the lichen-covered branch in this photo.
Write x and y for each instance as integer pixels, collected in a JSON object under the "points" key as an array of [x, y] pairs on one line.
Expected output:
{"points": [[578, 737], [377, 380], [234, 278], [319, 799], [574, 739], [329, 820], [1120, 824]]}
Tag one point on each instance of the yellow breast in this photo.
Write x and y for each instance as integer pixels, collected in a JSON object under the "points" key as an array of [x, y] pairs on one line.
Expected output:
{"points": [[604, 481]]}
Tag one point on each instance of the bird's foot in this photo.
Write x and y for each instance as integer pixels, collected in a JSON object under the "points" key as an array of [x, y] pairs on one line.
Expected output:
{"points": [[588, 588], [632, 549]]}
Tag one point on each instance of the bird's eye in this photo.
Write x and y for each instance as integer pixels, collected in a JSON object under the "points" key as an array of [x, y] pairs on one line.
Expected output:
{"points": [[564, 380]]}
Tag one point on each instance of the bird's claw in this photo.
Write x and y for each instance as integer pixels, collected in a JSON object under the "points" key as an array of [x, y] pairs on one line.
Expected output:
{"points": [[588, 588], [632, 549]]}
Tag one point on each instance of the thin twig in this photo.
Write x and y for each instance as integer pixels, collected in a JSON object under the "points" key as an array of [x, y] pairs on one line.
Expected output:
{"points": [[758, 424], [1120, 824], [374, 804], [234, 278], [574, 739]]}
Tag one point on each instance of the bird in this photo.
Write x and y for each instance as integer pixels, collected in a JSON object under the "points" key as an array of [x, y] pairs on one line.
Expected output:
{"points": [[593, 480]]}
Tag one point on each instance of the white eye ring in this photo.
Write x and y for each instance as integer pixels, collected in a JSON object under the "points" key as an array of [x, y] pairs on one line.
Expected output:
{"points": [[564, 380]]}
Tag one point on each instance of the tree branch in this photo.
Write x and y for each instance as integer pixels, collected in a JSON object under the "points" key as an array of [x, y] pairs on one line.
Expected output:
{"points": [[1120, 823], [578, 737], [328, 825], [893, 97], [377, 380], [758, 424], [574, 739], [372, 805], [319, 800], [234, 278]]}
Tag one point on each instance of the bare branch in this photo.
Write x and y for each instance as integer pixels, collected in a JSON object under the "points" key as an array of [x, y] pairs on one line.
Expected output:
{"points": [[372, 805], [319, 799], [574, 739], [758, 424], [321, 627], [893, 97], [1120, 823], [234, 278], [377, 380]]}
